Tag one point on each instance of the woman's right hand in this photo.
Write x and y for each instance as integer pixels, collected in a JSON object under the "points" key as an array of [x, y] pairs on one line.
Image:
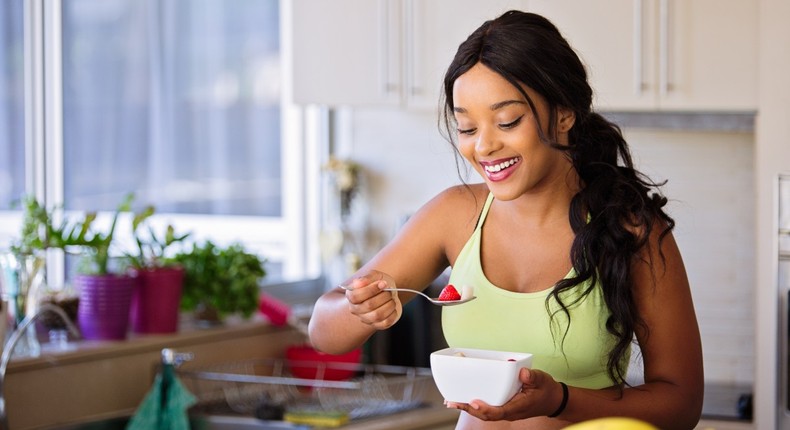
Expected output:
{"points": [[374, 307]]}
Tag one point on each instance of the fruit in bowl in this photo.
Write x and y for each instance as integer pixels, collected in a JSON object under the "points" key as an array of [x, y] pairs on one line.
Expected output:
{"points": [[306, 362], [465, 374]]}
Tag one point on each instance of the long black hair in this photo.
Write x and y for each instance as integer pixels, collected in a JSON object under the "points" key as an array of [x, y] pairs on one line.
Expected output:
{"points": [[617, 207]]}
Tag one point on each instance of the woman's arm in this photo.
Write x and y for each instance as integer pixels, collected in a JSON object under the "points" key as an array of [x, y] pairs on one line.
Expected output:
{"points": [[344, 320], [671, 397]]}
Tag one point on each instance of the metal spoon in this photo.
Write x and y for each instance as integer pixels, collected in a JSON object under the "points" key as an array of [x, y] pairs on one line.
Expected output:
{"points": [[436, 302]]}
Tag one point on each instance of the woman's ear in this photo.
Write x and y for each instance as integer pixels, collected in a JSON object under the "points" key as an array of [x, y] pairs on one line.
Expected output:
{"points": [[565, 120]]}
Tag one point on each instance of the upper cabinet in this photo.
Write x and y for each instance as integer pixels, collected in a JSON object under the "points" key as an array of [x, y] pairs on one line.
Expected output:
{"points": [[382, 52], [642, 55], [673, 55]]}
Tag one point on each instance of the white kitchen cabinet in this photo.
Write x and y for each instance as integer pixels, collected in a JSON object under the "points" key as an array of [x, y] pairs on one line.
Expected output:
{"points": [[383, 52], [673, 55]]}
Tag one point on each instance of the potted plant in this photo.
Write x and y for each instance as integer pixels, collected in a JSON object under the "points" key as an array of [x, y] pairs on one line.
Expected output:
{"points": [[219, 281], [105, 293], [23, 266], [156, 301]]}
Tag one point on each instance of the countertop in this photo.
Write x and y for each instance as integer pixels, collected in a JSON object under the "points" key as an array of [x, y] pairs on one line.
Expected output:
{"points": [[433, 417]]}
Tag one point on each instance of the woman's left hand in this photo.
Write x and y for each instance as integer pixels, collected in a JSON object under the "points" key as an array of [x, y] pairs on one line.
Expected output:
{"points": [[540, 395]]}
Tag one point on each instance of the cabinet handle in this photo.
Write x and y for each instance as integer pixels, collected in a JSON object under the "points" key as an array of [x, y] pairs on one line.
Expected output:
{"points": [[663, 48], [384, 42], [411, 47], [638, 42]]}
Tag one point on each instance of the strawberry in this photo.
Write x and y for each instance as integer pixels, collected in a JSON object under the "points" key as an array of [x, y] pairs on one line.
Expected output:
{"points": [[449, 293]]}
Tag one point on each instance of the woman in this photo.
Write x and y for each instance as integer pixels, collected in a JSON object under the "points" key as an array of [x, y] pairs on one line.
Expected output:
{"points": [[567, 246]]}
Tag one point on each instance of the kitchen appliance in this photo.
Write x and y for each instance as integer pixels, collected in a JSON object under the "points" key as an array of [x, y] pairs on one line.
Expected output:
{"points": [[783, 283]]}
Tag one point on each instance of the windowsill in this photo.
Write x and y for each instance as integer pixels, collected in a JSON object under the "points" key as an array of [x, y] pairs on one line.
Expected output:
{"points": [[189, 334]]}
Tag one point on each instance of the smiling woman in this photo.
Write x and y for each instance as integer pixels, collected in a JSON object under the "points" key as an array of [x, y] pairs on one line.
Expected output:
{"points": [[568, 246]]}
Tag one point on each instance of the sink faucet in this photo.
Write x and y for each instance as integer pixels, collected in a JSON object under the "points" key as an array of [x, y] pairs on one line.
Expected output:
{"points": [[14, 338]]}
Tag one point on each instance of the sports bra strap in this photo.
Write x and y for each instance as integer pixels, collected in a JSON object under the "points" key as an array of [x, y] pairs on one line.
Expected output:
{"points": [[483, 213]]}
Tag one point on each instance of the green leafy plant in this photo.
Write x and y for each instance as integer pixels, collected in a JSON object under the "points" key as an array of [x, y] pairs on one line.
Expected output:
{"points": [[40, 232], [225, 278], [151, 247], [96, 251]]}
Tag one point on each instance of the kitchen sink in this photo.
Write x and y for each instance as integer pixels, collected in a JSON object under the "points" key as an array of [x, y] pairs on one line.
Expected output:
{"points": [[208, 422]]}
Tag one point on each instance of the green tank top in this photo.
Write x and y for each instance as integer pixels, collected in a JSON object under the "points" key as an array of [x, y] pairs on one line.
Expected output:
{"points": [[519, 322]]}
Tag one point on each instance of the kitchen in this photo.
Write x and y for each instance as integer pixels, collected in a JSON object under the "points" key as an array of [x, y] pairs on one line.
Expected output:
{"points": [[714, 153]]}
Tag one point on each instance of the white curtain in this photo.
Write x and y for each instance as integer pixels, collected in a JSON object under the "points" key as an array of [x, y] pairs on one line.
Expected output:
{"points": [[177, 101], [12, 138]]}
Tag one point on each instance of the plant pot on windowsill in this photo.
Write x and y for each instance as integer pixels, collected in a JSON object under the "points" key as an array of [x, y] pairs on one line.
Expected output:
{"points": [[156, 302], [105, 295], [105, 300]]}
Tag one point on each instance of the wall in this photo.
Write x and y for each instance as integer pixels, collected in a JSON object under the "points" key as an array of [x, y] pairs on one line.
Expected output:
{"points": [[772, 155], [710, 175]]}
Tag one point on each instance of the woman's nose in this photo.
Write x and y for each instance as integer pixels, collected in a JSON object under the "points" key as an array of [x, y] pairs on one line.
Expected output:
{"points": [[486, 142]]}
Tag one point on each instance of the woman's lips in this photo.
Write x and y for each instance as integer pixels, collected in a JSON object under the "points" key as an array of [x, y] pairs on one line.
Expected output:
{"points": [[499, 170]]}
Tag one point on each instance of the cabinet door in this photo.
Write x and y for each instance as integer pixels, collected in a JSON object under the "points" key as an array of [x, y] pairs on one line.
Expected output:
{"points": [[433, 30], [346, 51], [663, 54], [384, 52], [710, 62], [614, 39]]}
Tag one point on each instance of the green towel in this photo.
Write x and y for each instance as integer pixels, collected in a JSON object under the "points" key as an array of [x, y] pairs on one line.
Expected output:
{"points": [[165, 406]]}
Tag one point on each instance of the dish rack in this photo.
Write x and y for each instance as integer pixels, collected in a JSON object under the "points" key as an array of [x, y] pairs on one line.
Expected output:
{"points": [[244, 387]]}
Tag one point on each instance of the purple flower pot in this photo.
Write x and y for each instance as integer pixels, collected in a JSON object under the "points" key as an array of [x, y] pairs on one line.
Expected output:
{"points": [[105, 300], [157, 299]]}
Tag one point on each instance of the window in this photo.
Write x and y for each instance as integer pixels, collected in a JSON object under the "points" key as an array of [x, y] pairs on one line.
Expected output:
{"points": [[12, 112], [180, 102]]}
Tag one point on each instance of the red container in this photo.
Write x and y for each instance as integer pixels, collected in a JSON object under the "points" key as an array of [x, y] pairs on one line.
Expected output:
{"points": [[307, 363], [157, 299]]}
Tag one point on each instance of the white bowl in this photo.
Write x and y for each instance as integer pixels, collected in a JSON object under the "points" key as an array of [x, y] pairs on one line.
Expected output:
{"points": [[464, 374]]}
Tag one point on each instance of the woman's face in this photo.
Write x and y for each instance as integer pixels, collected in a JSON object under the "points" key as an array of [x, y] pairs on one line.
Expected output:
{"points": [[498, 135]]}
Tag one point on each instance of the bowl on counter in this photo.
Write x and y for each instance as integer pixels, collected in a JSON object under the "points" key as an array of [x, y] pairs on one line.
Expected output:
{"points": [[306, 362], [465, 374]]}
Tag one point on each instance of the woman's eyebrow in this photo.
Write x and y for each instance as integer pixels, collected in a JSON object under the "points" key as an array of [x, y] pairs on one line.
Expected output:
{"points": [[500, 105], [495, 106]]}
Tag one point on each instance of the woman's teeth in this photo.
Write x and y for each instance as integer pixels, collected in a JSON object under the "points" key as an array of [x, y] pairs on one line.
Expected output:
{"points": [[501, 166]]}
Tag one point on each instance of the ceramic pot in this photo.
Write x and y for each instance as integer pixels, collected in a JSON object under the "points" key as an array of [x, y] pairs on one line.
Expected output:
{"points": [[157, 299], [104, 305]]}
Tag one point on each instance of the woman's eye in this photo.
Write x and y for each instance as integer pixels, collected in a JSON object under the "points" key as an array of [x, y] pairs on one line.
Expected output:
{"points": [[512, 123], [466, 130]]}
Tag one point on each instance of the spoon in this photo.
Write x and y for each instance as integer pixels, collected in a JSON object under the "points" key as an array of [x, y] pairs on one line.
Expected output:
{"points": [[436, 302]]}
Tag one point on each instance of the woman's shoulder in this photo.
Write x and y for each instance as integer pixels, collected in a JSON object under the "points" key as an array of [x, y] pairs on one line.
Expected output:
{"points": [[462, 200], [457, 207]]}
